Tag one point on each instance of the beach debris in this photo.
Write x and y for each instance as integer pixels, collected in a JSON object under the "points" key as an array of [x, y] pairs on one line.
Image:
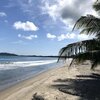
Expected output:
{"points": [[37, 97]]}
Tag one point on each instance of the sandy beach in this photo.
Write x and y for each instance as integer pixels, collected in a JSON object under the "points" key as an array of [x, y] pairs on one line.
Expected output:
{"points": [[57, 84]]}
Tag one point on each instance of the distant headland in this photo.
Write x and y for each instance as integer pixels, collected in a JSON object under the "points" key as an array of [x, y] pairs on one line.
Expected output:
{"points": [[12, 54], [7, 54]]}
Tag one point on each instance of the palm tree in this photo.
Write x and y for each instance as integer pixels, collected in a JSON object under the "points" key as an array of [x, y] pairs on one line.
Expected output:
{"points": [[88, 49]]}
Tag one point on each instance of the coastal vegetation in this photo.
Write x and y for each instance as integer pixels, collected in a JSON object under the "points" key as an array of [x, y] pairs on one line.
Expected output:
{"points": [[87, 49]]}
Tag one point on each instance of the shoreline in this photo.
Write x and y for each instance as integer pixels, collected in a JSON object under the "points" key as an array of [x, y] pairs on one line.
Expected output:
{"points": [[55, 84], [23, 83], [33, 74]]}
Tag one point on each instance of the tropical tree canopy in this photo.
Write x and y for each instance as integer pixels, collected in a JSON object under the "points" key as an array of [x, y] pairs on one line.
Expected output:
{"points": [[87, 49]]}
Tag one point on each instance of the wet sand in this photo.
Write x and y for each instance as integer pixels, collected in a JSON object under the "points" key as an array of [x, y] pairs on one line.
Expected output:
{"points": [[55, 84]]}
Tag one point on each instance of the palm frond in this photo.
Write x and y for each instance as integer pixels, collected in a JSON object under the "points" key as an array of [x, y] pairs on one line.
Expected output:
{"points": [[91, 31], [96, 5], [85, 21], [62, 53], [88, 24], [93, 56], [80, 51]]}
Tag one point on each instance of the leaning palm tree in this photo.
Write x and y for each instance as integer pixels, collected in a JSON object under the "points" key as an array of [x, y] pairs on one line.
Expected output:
{"points": [[88, 49]]}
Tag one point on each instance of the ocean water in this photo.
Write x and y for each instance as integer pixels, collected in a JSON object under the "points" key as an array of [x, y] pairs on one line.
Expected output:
{"points": [[14, 69]]}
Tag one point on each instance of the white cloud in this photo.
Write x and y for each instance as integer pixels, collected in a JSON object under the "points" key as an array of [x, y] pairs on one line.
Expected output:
{"points": [[84, 37], [50, 10], [66, 36], [3, 14], [30, 37], [68, 11], [26, 26], [73, 36], [51, 36], [61, 36]]}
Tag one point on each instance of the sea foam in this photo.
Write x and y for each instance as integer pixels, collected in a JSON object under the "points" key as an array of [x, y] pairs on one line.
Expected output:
{"points": [[14, 65]]}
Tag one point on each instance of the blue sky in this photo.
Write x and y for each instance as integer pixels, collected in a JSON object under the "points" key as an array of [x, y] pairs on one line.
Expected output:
{"points": [[40, 27]]}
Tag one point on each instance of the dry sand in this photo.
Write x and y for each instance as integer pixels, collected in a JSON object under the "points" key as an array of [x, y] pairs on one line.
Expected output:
{"points": [[51, 85]]}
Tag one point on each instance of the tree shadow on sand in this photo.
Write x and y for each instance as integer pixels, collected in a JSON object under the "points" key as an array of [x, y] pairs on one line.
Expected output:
{"points": [[87, 87]]}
